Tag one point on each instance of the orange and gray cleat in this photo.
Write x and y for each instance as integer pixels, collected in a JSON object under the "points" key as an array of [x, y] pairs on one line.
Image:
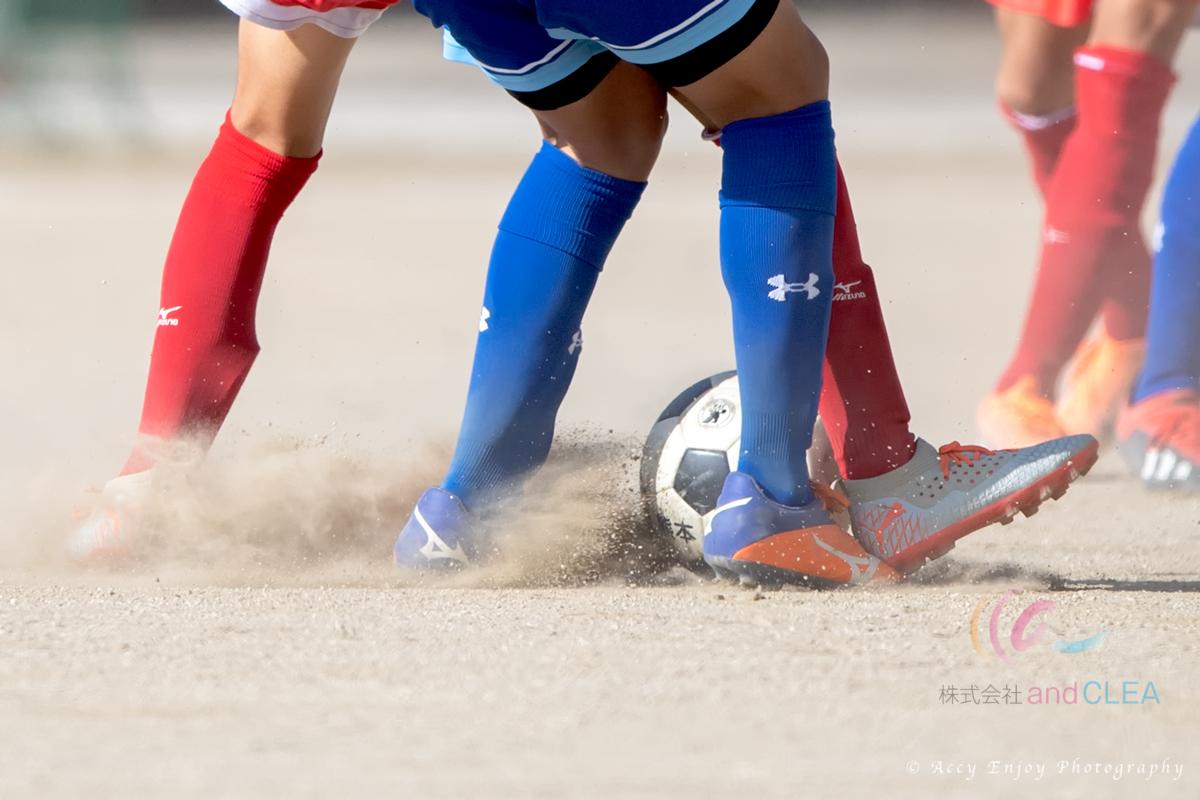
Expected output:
{"points": [[916, 512]]}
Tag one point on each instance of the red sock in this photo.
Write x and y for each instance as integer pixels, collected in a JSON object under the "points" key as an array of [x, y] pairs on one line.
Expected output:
{"points": [[1092, 247], [1044, 137], [205, 340], [862, 403]]}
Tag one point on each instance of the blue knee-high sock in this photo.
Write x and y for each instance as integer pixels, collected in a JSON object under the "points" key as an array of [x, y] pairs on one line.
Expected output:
{"points": [[778, 195], [1173, 334], [552, 243]]}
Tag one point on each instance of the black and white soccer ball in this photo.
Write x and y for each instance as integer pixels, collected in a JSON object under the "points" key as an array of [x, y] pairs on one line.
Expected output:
{"points": [[692, 447]]}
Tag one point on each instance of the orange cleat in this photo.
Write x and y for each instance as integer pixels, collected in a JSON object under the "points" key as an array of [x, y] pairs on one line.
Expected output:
{"points": [[1018, 416], [1098, 384], [1159, 439]]}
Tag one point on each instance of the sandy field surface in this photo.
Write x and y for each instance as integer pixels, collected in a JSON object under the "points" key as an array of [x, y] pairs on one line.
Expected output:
{"points": [[262, 646]]}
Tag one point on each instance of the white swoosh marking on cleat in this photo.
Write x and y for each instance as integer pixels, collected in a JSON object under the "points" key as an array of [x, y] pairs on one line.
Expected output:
{"points": [[861, 569], [435, 547], [732, 504]]}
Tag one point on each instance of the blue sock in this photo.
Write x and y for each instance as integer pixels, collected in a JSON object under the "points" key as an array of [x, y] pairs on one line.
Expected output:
{"points": [[1173, 334], [552, 243], [778, 194]]}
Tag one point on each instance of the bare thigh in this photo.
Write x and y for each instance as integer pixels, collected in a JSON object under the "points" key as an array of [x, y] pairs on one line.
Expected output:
{"points": [[617, 129], [785, 68], [1149, 26], [1037, 72], [286, 84]]}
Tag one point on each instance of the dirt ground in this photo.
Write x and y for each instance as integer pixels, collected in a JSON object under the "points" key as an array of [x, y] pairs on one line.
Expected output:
{"points": [[263, 646]]}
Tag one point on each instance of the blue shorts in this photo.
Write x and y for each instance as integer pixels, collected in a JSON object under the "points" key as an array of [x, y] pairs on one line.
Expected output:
{"points": [[548, 53]]}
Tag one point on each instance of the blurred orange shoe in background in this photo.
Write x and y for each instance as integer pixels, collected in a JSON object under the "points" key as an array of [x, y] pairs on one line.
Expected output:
{"points": [[1019, 416]]}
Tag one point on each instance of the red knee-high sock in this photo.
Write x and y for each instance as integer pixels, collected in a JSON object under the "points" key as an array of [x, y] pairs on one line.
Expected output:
{"points": [[862, 402], [1044, 137], [1092, 247], [205, 341]]}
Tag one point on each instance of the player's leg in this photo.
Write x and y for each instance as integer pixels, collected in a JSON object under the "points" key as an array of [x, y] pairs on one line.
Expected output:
{"points": [[205, 338], [862, 398], [778, 197], [269, 145], [1092, 249], [1035, 85], [552, 243], [1139, 38], [920, 508], [1159, 433]]}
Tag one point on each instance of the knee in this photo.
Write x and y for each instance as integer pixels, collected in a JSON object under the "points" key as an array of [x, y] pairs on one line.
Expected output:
{"points": [[1035, 91], [294, 135], [626, 147]]}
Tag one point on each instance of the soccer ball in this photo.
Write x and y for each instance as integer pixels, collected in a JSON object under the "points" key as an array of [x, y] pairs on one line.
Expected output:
{"points": [[691, 449]]}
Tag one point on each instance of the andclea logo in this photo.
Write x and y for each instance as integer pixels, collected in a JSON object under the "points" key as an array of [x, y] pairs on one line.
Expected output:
{"points": [[1027, 631]]}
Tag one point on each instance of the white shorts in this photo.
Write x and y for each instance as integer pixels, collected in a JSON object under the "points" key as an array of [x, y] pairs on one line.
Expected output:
{"points": [[346, 21]]}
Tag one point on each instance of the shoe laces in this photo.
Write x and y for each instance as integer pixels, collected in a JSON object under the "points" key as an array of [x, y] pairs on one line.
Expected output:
{"points": [[955, 453]]}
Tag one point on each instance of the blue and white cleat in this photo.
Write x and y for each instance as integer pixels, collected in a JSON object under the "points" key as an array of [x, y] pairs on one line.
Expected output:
{"points": [[438, 536], [753, 538]]}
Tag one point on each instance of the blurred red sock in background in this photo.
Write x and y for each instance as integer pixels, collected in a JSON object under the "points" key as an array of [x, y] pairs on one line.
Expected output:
{"points": [[1092, 247], [1044, 137]]}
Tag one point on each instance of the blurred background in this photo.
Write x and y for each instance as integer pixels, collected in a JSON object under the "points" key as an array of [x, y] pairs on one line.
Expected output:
{"points": [[108, 106]]}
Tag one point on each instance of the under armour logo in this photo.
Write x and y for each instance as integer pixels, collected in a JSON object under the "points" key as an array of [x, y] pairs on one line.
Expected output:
{"points": [[783, 288], [576, 343], [165, 319], [484, 316]]}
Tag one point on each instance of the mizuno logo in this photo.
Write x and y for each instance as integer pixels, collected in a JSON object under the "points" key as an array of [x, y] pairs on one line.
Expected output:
{"points": [[845, 291], [782, 288], [861, 569], [435, 547], [165, 320], [484, 316]]}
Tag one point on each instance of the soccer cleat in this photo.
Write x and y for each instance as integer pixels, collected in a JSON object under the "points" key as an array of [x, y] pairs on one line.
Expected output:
{"points": [[1098, 384], [757, 540], [917, 512], [103, 536], [1159, 439], [437, 536], [1018, 416]]}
